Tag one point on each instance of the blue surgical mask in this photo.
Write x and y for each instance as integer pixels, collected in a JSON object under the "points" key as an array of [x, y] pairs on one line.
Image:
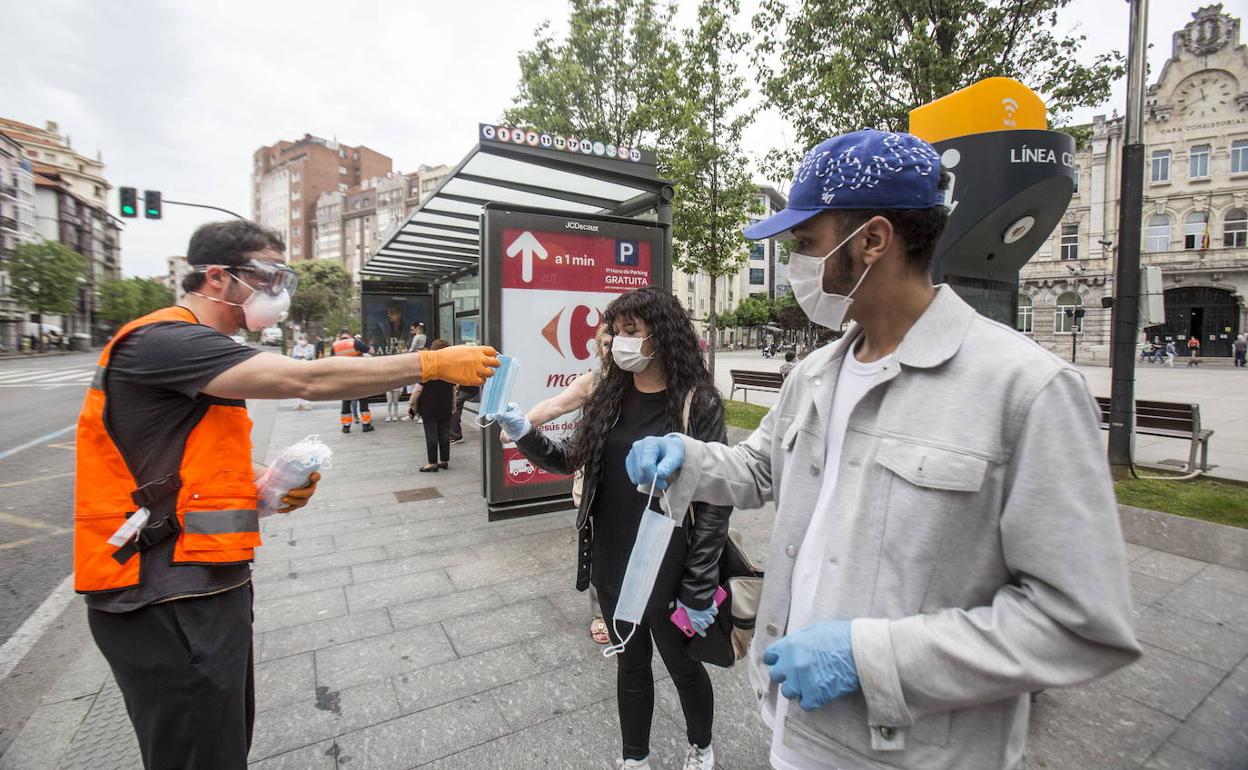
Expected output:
{"points": [[653, 536], [497, 392]]}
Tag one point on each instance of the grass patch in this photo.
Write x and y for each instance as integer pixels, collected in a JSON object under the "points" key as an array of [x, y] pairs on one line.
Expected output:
{"points": [[1204, 499], [739, 414]]}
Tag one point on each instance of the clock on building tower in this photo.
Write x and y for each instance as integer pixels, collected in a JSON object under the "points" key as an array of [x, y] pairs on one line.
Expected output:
{"points": [[1205, 93]]}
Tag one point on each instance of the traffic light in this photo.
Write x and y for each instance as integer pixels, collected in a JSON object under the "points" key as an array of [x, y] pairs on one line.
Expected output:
{"points": [[129, 202], [151, 204]]}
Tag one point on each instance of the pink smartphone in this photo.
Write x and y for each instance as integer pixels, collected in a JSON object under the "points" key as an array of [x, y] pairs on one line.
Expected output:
{"points": [[681, 618]]}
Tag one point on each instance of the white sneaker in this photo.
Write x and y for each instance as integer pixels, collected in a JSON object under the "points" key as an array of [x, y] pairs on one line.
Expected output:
{"points": [[389, 418], [632, 764], [700, 759]]}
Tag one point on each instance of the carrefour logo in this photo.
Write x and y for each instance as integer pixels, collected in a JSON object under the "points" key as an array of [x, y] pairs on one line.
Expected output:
{"points": [[572, 333]]}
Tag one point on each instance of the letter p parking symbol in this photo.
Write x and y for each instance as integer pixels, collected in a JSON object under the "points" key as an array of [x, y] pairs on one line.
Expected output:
{"points": [[626, 253]]}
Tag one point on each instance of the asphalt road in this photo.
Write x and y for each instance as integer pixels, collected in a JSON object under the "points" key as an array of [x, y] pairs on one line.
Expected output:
{"points": [[38, 397]]}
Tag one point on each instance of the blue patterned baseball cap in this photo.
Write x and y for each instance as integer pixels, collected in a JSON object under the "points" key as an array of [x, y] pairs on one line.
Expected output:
{"points": [[867, 169]]}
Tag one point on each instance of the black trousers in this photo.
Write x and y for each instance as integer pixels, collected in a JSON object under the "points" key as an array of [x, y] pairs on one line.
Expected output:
{"points": [[465, 394], [437, 438], [185, 670], [634, 681]]}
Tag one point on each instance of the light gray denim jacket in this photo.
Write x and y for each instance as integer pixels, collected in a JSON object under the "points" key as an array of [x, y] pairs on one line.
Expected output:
{"points": [[974, 542]]}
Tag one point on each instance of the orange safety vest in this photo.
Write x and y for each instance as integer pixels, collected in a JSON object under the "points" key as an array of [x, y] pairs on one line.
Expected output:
{"points": [[215, 487], [345, 348]]}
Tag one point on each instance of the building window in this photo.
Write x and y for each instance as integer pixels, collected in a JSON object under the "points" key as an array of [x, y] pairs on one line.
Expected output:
{"points": [[1196, 230], [1198, 162], [1161, 166], [1239, 156], [1070, 241], [756, 276], [342, 170], [758, 250], [294, 213], [1235, 229], [1077, 175], [1064, 319], [1026, 311], [1157, 236], [294, 231]]}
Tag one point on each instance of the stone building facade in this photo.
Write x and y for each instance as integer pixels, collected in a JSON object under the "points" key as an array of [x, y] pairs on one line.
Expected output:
{"points": [[1195, 218]]}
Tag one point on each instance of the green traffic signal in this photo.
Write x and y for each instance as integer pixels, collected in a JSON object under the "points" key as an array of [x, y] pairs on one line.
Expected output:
{"points": [[129, 202], [151, 204]]}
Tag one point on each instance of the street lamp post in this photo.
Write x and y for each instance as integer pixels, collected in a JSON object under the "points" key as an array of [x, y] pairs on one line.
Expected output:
{"points": [[1076, 314]]}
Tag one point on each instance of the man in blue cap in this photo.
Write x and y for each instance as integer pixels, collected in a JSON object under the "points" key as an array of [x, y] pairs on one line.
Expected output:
{"points": [[946, 539]]}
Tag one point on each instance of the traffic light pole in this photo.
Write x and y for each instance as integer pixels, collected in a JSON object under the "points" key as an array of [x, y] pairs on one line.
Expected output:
{"points": [[1126, 313], [204, 206]]}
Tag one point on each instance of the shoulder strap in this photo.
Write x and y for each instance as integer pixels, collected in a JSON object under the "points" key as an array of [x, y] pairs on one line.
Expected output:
{"points": [[684, 420]]}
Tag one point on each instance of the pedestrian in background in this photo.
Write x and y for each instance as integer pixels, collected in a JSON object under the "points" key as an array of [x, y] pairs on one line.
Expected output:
{"points": [[303, 351], [1193, 350], [1171, 352], [655, 378], [789, 362], [416, 344], [1240, 348], [434, 401], [353, 347]]}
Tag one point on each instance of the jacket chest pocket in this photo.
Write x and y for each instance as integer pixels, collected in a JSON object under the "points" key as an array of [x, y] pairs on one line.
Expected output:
{"points": [[923, 489]]}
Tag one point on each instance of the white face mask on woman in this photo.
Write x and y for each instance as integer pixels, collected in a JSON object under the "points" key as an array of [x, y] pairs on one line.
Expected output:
{"points": [[806, 279], [627, 353]]}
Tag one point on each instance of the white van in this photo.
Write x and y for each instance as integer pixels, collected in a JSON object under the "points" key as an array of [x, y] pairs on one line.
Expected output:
{"points": [[271, 336]]}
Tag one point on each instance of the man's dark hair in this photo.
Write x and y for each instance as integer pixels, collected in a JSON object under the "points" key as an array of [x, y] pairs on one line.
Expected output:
{"points": [[919, 229], [790, 356], [227, 243]]}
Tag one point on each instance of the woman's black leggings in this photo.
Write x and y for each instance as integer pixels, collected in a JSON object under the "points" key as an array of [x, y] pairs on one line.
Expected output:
{"points": [[437, 438], [635, 683]]}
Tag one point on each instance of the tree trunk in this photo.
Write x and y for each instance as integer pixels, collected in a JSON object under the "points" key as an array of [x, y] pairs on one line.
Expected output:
{"points": [[711, 324]]}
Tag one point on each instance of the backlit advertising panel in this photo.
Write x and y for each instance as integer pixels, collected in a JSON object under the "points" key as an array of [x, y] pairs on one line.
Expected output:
{"points": [[547, 281]]}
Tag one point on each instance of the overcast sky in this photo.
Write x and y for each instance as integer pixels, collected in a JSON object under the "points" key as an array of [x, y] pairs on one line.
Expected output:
{"points": [[177, 96]]}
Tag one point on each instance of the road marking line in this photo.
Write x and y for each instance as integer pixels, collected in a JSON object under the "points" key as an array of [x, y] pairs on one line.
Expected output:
{"points": [[6, 454], [26, 521], [23, 373], [33, 628], [20, 543]]}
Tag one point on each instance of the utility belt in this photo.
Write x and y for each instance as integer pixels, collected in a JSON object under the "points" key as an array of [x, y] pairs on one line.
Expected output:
{"points": [[146, 497]]}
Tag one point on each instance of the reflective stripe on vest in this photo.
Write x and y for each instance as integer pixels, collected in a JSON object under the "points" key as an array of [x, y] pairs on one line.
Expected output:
{"points": [[215, 507]]}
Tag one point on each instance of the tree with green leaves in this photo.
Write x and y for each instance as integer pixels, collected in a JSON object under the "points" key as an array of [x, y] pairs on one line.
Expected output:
{"points": [[841, 65], [44, 277], [125, 299], [324, 292], [610, 79], [713, 192]]}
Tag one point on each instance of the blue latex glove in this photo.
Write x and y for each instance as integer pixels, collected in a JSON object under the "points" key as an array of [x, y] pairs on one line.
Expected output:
{"points": [[513, 421], [655, 457], [815, 665], [700, 619]]}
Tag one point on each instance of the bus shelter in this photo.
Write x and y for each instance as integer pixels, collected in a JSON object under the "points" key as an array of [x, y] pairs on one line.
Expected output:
{"points": [[522, 246]]}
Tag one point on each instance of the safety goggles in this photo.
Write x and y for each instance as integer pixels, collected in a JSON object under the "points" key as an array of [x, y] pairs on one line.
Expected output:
{"points": [[272, 278]]}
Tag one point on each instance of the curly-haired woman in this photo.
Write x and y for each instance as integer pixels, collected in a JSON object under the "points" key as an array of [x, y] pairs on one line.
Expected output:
{"points": [[656, 369]]}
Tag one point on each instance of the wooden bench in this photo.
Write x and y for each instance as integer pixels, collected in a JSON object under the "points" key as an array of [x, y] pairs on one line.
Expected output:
{"points": [[1169, 420], [745, 380]]}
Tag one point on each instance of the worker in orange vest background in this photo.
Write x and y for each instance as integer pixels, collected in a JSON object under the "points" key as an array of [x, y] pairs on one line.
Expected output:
{"points": [[165, 511], [346, 345]]}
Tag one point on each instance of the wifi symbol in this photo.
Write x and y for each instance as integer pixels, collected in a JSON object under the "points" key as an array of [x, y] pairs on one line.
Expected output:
{"points": [[1011, 107]]}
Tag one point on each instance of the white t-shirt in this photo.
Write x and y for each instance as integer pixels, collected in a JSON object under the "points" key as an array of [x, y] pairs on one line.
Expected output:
{"points": [[855, 379]]}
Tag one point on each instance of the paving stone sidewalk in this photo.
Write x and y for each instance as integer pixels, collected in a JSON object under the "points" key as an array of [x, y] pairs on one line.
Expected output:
{"points": [[417, 634]]}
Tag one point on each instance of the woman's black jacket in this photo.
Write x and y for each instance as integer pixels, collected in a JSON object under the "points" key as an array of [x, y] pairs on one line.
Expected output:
{"points": [[709, 532]]}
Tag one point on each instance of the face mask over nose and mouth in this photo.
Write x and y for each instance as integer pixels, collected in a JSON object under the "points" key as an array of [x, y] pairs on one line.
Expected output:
{"points": [[806, 278], [627, 353]]}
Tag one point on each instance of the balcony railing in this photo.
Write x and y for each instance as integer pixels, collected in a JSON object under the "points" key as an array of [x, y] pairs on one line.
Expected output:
{"points": [[8, 223]]}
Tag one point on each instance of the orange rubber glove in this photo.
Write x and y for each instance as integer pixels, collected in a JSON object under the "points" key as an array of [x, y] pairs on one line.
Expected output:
{"points": [[297, 498], [460, 364]]}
